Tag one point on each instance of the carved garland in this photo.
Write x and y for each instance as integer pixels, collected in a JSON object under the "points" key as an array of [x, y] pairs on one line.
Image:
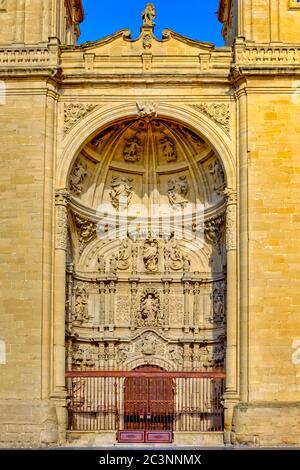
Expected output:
{"points": [[74, 112], [219, 113]]}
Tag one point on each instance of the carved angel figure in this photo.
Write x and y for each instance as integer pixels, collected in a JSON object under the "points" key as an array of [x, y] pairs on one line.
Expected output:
{"points": [[168, 149], [147, 110], [148, 15]]}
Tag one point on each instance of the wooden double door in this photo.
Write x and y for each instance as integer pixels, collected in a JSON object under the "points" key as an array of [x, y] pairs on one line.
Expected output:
{"points": [[149, 401]]}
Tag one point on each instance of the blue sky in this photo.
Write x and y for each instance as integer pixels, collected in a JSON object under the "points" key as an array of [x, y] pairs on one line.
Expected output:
{"points": [[193, 18]]}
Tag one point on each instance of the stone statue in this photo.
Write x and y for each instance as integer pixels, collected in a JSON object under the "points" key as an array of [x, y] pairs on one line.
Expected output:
{"points": [[131, 152], [150, 255], [148, 345], [121, 191], [168, 149], [124, 256], [77, 177], [149, 308], [217, 175], [81, 305], [178, 189], [148, 15]]}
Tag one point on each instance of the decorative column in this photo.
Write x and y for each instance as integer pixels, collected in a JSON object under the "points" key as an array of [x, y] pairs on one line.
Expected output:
{"points": [[112, 295], [187, 290], [102, 289], [134, 301], [166, 302], [59, 354], [231, 389]]}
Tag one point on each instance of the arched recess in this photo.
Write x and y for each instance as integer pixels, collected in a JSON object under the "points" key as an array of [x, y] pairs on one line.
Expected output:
{"points": [[74, 144]]}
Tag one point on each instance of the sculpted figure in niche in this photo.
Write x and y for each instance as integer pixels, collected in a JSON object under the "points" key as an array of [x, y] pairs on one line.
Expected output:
{"points": [[148, 345], [148, 15], [124, 256], [217, 175], [81, 306], [178, 189], [150, 255], [131, 150], [150, 308], [121, 192], [77, 177], [168, 149]]}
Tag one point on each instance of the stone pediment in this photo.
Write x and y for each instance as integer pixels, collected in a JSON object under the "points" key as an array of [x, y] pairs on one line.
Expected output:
{"points": [[171, 43], [120, 53]]}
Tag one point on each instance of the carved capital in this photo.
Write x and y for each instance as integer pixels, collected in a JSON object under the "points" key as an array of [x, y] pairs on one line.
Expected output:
{"points": [[230, 195], [62, 197]]}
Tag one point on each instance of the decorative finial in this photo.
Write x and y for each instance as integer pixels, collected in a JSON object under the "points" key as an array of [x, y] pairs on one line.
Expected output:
{"points": [[148, 15]]}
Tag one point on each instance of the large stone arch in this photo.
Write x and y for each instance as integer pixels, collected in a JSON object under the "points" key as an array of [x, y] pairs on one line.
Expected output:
{"points": [[72, 144], [105, 115]]}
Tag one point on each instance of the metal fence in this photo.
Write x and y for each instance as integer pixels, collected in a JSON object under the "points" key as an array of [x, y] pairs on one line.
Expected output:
{"points": [[145, 400]]}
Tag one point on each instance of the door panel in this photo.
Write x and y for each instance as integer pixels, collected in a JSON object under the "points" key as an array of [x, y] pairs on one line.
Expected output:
{"points": [[149, 402]]}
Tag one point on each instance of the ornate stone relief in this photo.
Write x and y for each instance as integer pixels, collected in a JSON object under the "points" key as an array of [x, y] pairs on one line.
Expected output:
{"points": [[168, 149], [218, 304], [148, 110], [149, 345], [80, 312], [213, 229], [86, 230], [178, 190], [148, 15], [147, 41], [149, 312], [132, 150], [174, 258], [176, 355], [73, 112], [215, 356], [217, 176], [220, 113], [83, 357], [61, 202], [151, 255], [231, 197], [121, 191], [77, 177], [121, 260]]}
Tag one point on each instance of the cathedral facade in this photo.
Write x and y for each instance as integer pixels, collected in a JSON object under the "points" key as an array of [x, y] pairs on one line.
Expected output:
{"points": [[149, 230]]}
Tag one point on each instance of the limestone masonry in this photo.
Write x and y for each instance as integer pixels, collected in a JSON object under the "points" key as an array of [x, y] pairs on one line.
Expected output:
{"points": [[89, 133]]}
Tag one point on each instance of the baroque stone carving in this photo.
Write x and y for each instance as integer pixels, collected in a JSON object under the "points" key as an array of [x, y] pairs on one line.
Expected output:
{"points": [[80, 313], [83, 358], [178, 190], [148, 110], [217, 175], [73, 112], [215, 355], [168, 149], [121, 191], [149, 345], [264, 55], [149, 312], [150, 255], [218, 304], [148, 15], [61, 227], [86, 229], [176, 355], [147, 41], [77, 177], [123, 352], [213, 229], [121, 260], [231, 198], [219, 113], [131, 152]]}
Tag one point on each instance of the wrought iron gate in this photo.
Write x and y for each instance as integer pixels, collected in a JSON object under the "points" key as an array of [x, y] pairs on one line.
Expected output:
{"points": [[145, 399]]}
